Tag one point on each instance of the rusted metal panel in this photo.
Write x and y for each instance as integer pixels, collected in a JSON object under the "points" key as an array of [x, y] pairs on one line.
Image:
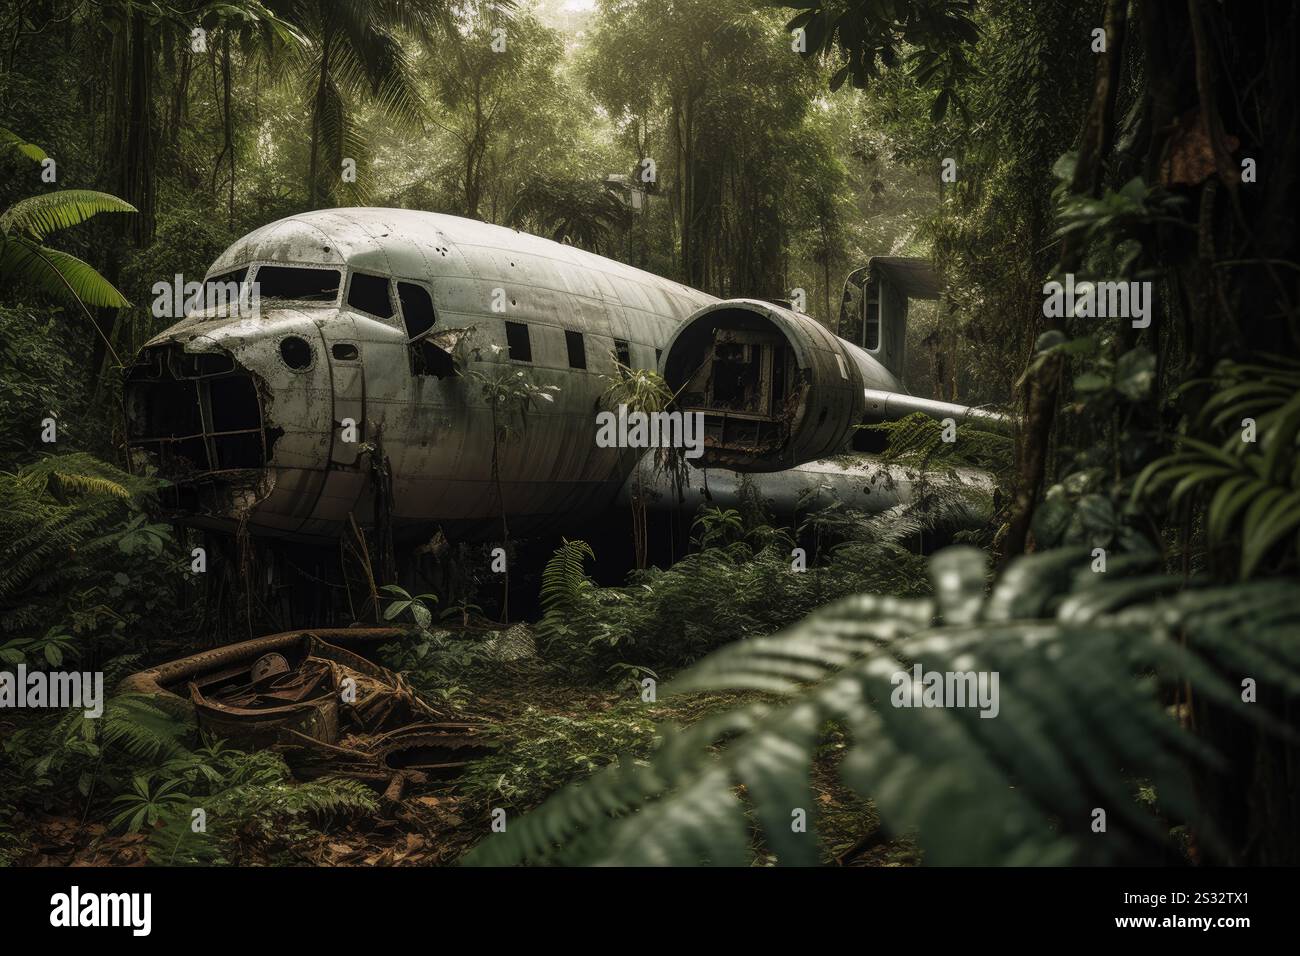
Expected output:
{"points": [[326, 709]]}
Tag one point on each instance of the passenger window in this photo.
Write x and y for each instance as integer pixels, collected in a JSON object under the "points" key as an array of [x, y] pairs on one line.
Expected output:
{"points": [[417, 309], [577, 350], [520, 346], [623, 352], [370, 294]]}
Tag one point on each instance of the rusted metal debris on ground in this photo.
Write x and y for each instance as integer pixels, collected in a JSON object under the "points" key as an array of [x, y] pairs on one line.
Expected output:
{"points": [[325, 708]]}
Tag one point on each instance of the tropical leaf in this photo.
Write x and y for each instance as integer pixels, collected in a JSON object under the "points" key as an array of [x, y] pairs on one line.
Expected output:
{"points": [[1080, 659], [1250, 480], [38, 216], [57, 273], [12, 140]]}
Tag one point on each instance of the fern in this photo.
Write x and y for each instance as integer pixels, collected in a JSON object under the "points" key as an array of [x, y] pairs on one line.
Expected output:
{"points": [[65, 518], [1252, 486], [136, 724], [38, 216], [265, 809], [563, 582], [918, 439], [1081, 658], [25, 224]]}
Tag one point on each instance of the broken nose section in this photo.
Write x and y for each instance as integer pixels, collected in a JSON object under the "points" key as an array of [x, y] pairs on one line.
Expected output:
{"points": [[199, 418]]}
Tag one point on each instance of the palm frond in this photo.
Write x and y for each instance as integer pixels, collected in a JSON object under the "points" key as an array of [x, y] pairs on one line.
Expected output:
{"points": [[57, 273], [11, 140], [38, 216]]}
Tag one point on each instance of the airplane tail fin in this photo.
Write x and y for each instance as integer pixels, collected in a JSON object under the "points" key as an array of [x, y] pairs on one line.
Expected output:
{"points": [[873, 307]]}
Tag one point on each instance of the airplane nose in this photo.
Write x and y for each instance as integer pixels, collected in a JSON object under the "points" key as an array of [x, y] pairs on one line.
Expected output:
{"points": [[195, 416]]}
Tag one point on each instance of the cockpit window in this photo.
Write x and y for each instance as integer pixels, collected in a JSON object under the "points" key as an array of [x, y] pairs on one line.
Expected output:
{"points": [[301, 284], [417, 309], [370, 294], [224, 290]]}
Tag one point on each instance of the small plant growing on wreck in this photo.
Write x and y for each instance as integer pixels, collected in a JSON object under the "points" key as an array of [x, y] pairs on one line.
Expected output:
{"points": [[640, 390], [510, 396]]}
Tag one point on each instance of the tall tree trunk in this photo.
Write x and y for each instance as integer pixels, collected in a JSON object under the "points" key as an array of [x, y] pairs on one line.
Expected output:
{"points": [[1042, 389], [317, 119], [229, 123]]}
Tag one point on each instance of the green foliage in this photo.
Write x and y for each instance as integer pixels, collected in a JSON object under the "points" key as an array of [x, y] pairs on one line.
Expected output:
{"points": [[38, 216], [495, 91], [564, 582], [640, 389], [511, 395], [51, 648], [1123, 218], [540, 752], [740, 583], [11, 140], [917, 440], [71, 754], [35, 363], [576, 211], [25, 225], [80, 558], [436, 661], [140, 765], [417, 604], [1081, 659], [1251, 477], [870, 36], [353, 54], [246, 800]]}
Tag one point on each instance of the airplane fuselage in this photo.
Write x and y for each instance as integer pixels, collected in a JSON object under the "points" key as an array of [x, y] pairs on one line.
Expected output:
{"points": [[376, 328]]}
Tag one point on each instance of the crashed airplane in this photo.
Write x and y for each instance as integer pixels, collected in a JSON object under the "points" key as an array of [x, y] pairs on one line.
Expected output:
{"points": [[367, 321]]}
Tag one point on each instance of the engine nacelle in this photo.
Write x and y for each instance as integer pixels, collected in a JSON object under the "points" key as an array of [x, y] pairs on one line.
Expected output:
{"points": [[776, 388]]}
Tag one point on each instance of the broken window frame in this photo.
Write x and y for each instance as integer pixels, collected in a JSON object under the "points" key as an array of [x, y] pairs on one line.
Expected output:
{"points": [[389, 288], [426, 359], [239, 276], [397, 284]]}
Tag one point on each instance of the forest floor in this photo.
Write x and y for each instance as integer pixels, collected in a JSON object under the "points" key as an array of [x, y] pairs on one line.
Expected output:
{"points": [[551, 731]]}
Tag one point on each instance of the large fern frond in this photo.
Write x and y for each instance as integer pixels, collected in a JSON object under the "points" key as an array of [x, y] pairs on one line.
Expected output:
{"points": [[11, 140], [38, 216], [1080, 659], [137, 725], [1251, 479], [564, 577], [57, 273]]}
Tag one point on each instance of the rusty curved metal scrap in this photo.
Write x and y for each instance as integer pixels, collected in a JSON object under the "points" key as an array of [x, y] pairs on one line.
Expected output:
{"points": [[381, 731]]}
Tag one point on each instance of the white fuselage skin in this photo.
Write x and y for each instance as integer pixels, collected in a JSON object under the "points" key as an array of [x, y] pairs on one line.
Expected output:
{"points": [[435, 431]]}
